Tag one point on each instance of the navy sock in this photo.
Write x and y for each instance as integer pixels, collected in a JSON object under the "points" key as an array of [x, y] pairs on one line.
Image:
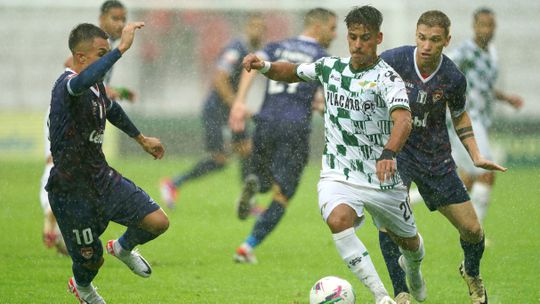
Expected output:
{"points": [[83, 276], [473, 254], [201, 168], [245, 166], [135, 236], [391, 253], [267, 221]]}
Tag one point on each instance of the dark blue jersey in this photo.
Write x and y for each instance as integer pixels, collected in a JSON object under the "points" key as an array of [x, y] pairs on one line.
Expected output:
{"points": [[428, 147], [78, 113], [290, 102]]}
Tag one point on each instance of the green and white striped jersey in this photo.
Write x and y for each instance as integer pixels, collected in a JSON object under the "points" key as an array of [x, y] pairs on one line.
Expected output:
{"points": [[356, 117], [480, 67]]}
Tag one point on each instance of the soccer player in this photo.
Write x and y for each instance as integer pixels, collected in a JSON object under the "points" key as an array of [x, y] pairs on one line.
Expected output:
{"points": [[85, 193], [283, 126], [477, 59], [112, 20], [434, 83], [367, 121], [216, 111]]}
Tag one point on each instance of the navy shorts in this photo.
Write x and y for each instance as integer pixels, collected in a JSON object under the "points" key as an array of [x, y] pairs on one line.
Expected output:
{"points": [[83, 217], [280, 153], [436, 190], [215, 120]]}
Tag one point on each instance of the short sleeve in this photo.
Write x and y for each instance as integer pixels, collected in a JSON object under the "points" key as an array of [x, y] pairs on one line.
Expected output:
{"points": [[310, 71], [394, 92], [229, 59], [457, 100]]}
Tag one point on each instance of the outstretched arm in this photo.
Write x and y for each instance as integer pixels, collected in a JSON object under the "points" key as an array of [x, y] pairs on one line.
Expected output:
{"points": [[237, 116], [513, 100], [464, 130], [279, 70]]}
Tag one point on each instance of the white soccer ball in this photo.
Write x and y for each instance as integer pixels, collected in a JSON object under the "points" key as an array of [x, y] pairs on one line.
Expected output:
{"points": [[332, 290]]}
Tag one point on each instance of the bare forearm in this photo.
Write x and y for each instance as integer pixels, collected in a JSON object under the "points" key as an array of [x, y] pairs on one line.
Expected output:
{"points": [[246, 79], [465, 132], [223, 87], [400, 131], [283, 71]]}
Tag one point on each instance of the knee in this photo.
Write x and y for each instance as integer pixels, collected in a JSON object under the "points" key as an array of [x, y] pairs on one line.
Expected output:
{"points": [[473, 233], [341, 218], [161, 225], [94, 265]]}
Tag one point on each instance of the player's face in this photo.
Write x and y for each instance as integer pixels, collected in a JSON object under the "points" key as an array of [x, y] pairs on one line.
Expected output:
{"points": [[327, 32], [91, 52], [430, 42], [484, 28], [255, 30], [113, 22], [363, 45]]}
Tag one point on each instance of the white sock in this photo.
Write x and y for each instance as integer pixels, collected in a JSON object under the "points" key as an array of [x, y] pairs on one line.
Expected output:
{"points": [[355, 255], [119, 250], [413, 259], [414, 196], [480, 195]]}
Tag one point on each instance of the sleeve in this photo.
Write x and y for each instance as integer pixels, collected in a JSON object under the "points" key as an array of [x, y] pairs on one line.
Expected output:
{"points": [[229, 58], [310, 71], [394, 91], [119, 119], [93, 73], [457, 98]]}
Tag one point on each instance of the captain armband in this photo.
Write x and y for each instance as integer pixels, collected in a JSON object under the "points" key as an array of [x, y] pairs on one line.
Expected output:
{"points": [[266, 67]]}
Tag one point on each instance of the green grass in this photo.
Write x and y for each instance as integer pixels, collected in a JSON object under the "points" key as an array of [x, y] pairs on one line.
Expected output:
{"points": [[192, 261]]}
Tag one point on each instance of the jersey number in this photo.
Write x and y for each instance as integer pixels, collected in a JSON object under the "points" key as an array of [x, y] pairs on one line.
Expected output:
{"points": [[275, 87], [406, 208], [86, 235]]}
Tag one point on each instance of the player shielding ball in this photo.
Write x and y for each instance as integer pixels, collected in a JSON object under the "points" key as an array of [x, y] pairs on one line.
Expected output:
{"points": [[367, 121], [85, 193]]}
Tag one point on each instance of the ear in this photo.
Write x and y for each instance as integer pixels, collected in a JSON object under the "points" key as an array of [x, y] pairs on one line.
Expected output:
{"points": [[79, 57], [447, 40], [379, 37]]}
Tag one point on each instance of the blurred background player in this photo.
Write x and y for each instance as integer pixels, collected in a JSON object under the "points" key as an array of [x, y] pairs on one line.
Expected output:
{"points": [[112, 20], [434, 83], [477, 59], [216, 111], [85, 193], [283, 127]]}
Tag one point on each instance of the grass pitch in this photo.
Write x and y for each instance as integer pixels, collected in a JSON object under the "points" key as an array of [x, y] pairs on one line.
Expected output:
{"points": [[192, 261]]}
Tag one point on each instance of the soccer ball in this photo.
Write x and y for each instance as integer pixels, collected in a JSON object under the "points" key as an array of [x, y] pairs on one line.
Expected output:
{"points": [[332, 290]]}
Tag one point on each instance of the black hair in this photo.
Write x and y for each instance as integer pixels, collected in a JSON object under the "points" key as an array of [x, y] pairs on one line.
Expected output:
{"points": [[110, 4], [85, 32], [365, 15], [481, 11]]}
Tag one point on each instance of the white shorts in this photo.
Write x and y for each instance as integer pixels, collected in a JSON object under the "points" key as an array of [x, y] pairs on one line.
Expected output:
{"points": [[460, 154], [389, 209]]}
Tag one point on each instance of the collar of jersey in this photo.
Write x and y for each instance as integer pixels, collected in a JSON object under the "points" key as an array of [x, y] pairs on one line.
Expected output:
{"points": [[369, 67], [424, 80]]}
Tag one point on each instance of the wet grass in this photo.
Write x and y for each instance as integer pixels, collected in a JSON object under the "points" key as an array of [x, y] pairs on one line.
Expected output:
{"points": [[193, 261]]}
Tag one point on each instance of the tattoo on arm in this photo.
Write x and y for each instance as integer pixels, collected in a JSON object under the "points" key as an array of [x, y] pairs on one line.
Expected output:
{"points": [[465, 132]]}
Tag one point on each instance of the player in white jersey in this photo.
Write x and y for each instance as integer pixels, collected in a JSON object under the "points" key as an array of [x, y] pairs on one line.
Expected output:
{"points": [[477, 59], [367, 120], [112, 20]]}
